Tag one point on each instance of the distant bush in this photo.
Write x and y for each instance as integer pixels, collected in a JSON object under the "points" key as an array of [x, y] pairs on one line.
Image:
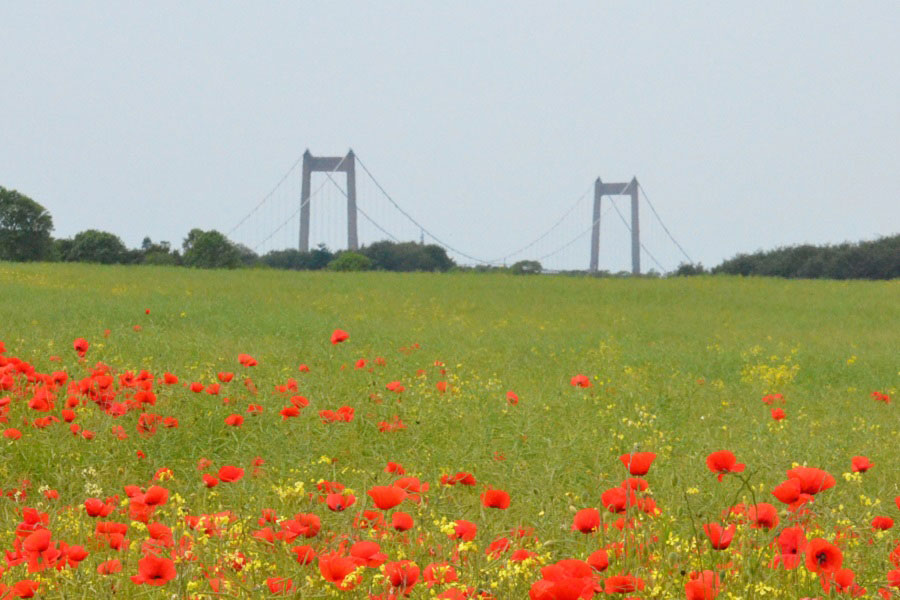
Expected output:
{"points": [[160, 258], [688, 269], [293, 259], [96, 246], [210, 250], [350, 261], [25, 228], [879, 259], [407, 256], [526, 267]]}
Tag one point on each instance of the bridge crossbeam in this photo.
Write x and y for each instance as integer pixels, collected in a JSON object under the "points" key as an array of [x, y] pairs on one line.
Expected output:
{"points": [[617, 189], [328, 164]]}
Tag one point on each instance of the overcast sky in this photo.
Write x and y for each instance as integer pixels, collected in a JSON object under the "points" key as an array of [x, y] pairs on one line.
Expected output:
{"points": [[750, 125]]}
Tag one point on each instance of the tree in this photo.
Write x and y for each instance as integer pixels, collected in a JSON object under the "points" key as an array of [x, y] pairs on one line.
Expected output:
{"points": [[247, 255], [25, 228], [161, 253], [210, 250], [350, 261], [407, 256], [690, 269], [293, 259], [97, 247], [877, 259], [526, 267]]}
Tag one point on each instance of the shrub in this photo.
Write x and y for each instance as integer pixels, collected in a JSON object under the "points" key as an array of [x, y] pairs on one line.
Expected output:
{"points": [[350, 261]]}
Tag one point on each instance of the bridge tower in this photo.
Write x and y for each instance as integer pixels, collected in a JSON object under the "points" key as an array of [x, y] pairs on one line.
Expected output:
{"points": [[329, 164], [617, 189]]}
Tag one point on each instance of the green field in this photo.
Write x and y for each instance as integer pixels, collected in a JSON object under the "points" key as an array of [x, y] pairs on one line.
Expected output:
{"points": [[678, 367]]}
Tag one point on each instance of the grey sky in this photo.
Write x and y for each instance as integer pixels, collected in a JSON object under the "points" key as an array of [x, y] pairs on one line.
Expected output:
{"points": [[750, 125]]}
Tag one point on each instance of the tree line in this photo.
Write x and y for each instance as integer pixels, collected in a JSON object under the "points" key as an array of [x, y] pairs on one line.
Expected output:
{"points": [[878, 259], [26, 230], [26, 235]]}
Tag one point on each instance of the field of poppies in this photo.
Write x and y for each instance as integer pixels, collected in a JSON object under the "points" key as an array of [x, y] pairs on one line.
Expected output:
{"points": [[249, 434]]}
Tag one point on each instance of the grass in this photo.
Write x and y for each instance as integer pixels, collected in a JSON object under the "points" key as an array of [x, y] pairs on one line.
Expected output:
{"points": [[678, 368]]}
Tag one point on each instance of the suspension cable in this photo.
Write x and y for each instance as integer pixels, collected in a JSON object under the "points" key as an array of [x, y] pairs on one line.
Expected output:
{"points": [[621, 216], [547, 232], [265, 198], [416, 223], [302, 204], [361, 211], [575, 239], [666, 229]]}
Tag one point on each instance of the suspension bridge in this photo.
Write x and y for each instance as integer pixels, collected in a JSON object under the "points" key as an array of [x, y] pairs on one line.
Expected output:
{"points": [[319, 202]]}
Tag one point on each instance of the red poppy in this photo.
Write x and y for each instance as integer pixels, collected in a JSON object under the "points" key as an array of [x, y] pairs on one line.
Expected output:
{"points": [[307, 525], [289, 412], [247, 360], [638, 463], [618, 499], [812, 480], [109, 567], [512, 398], [386, 497], [723, 462], [598, 560], [395, 386], [770, 398], [702, 586], [788, 491], [587, 520], [719, 537], [464, 530], [861, 464], [439, 574], [340, 502], [823, 557], [279, 585], [461, 478], [791, 545], [234, 420], [763, 516], [305, 554], [778, 414], [25, 588], [402, 521], [402, 575], [623, 584], [338, 336], [882, 523], [368, 553], [81, 346], [413, 487], [893, 578], [495, 499], [335, 569], [154, 570], [230, 474], [155, 496], [394, 467], [580, 381]]}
